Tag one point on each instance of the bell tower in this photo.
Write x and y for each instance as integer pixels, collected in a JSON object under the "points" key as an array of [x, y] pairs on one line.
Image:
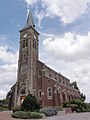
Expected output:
{"points": [[28, 56]]}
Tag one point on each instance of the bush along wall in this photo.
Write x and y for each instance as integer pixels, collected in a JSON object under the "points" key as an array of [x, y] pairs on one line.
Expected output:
{"points": [[30, 103], [78, 106], [16, 108]]}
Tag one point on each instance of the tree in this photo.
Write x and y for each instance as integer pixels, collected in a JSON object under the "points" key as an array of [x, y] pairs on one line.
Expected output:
{"points": [[74, 84], [83, 97], [30, 103], [4, 102]]}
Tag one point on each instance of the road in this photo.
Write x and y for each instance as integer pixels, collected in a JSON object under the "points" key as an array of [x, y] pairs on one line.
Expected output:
{"points": [[73, 116], [6, 115]]}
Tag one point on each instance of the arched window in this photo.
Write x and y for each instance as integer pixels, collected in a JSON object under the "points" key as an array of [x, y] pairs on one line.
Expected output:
{"points": [[25, 43], [33, 44], [49, 93], [39, 94]]}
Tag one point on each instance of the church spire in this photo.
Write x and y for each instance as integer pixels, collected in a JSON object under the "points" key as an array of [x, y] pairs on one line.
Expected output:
{"points": [[30, 21]]}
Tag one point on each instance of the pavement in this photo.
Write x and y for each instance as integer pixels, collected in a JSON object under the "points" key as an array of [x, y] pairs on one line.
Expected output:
{"points": [[71, 116], [6, 115]]}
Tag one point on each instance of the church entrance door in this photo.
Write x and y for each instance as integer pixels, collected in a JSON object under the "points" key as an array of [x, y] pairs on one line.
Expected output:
{"points": [[22, 99]]}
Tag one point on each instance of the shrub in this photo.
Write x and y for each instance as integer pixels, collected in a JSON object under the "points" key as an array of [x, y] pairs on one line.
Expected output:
{"points": [[73, 106], [35, 115], [18, 114], [78, 106], [65, 104], [17, 108], [26, 115], [49, 111], [30, 104], [78, 102], [1, 109], [82, 106]]}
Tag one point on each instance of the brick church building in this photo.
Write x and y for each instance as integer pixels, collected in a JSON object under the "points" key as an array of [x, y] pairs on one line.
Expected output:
{"points": [[50, 87]]}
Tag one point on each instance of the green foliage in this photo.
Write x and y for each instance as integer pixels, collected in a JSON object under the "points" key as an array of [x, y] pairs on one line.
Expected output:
{"points": [[74, 107], [78, 106], [65, 104], [3, 108], [30, 104], [18, 114], [17, 108], [35, 115], [71, 105], [4, 103], [83, 97], [74, 84], [26, 115]]}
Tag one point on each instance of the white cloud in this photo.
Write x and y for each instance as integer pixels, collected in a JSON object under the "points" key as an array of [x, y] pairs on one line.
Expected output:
{"points": [[7, 78], [7, 56], [8, 74], [46, 34], [30, 2], [2, 94], [8, 69], [70, 47], [80, 72], [39, 15], [67, 10]]}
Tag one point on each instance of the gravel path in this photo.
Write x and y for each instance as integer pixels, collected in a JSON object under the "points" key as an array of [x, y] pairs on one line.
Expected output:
{"points": [[74, 116], [6, 115]]}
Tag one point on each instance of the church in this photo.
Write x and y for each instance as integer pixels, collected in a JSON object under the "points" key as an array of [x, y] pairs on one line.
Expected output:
{"points": [[33, 76]]}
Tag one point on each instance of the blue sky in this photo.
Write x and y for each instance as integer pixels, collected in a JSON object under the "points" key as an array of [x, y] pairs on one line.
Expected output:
{"points": [[64, 28]]}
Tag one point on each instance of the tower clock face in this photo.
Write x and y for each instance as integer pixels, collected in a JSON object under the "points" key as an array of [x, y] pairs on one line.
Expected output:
{"points": [[34, 36], [25, 35]]}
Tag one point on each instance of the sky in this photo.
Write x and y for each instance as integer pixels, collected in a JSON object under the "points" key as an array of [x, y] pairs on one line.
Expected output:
{"points": [[64, 40]]}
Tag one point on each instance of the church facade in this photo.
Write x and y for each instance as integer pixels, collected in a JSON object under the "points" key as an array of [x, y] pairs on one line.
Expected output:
{"points": [[50, 87]]}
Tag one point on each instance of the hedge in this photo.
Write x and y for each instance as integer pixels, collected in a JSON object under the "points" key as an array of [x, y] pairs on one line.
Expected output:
{"points": [[26, 115]]}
